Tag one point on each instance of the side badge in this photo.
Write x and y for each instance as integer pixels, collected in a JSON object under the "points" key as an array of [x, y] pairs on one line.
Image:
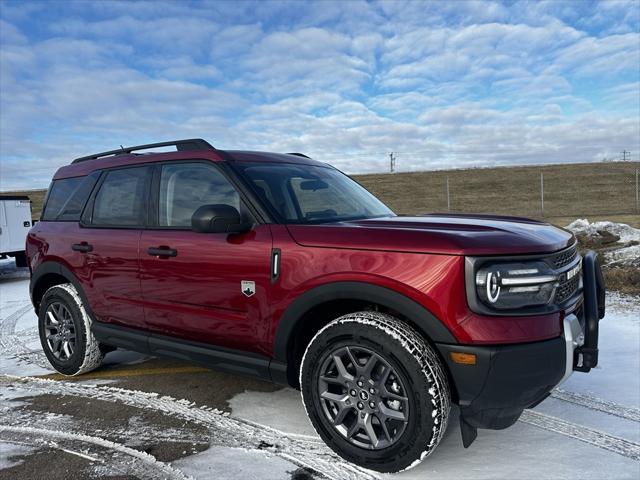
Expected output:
{"points": [[248, 287]]}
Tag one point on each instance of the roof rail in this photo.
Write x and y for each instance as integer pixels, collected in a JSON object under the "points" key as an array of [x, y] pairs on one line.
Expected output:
{"points": [[181, 145], [298, 154]]}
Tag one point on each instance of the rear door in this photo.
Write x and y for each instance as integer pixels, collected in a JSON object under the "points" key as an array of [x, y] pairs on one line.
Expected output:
{"points": [[195, 291], [109, 241]]}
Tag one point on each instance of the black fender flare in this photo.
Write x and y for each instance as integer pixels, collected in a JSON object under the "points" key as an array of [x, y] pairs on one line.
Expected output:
{"points": [[57, 268], [422, 318]]}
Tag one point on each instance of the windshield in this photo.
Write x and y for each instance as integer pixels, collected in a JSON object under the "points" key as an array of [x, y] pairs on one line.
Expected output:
{"points": [[311, 194]]}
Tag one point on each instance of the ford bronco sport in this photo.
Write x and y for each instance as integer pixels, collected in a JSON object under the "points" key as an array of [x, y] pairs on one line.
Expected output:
{"points": [[282, 267]]}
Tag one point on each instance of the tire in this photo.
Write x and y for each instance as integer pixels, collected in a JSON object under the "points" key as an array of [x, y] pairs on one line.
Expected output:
{"points": [[83, 352], [400, 410], [21, 260]]}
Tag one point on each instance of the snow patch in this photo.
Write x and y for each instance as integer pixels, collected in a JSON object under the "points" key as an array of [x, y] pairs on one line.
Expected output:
{"points": [[626, 256], [622, 230], [12, 454], [226, 463], [623, 252]]}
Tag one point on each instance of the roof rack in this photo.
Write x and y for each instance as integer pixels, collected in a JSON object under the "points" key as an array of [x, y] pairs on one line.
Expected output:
{"points": [[298, 154], [181, 145]]}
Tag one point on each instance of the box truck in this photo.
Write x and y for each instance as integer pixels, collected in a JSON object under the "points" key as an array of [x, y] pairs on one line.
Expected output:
{"points": [[15, 222]]}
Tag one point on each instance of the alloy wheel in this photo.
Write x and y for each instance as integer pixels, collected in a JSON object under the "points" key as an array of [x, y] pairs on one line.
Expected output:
{"points": [[60, 331], [363, 397]]}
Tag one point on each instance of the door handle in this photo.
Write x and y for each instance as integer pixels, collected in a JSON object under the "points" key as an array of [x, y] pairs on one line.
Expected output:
{"points": [[162, 252], [82, 247]]}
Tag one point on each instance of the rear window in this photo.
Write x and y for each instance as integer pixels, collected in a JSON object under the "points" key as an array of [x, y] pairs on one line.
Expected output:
{"points": [[67, 198], [59, 192]]}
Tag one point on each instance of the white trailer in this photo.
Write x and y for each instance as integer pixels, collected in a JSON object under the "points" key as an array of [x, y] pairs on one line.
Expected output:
{"points": [[15, 222]]}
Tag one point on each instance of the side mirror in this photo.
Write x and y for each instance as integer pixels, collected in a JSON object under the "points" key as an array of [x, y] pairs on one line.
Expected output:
{"points": [[218, 219]]}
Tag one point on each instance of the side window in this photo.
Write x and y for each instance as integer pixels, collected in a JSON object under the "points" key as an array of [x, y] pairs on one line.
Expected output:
{"points": [[59, 192], [121, 198], [185, 187]]}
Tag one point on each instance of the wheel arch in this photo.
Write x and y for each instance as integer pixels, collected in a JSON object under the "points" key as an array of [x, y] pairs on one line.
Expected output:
{"points": [[318, 306], [51, 273]]}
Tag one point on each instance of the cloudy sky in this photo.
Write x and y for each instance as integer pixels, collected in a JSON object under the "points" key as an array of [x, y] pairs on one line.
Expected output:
{"points": [[442, 84]]}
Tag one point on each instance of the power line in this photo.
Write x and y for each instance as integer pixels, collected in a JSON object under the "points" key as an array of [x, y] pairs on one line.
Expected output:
{"points": [[626, 155]]}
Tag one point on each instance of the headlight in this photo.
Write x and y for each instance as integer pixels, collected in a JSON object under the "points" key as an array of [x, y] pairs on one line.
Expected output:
{"points": [[505, 286]]}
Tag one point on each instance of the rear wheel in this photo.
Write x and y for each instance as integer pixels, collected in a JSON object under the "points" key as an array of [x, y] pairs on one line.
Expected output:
{"points": [[375, 391], [65, 332]]}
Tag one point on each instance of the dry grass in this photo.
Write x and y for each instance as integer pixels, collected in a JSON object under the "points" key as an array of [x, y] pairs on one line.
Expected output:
{"points": [[622, 279], [571, 191]]}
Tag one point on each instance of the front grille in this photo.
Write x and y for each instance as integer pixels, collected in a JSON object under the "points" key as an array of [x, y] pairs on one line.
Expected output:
{"points": [[566, 289], [564, 258]]}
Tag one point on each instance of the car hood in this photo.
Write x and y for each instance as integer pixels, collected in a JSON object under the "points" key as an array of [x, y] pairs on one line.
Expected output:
{"points": [[440, 234]]}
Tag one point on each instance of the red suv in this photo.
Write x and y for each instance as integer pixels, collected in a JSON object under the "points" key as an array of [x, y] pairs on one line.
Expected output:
{"points": [[282, 267]]}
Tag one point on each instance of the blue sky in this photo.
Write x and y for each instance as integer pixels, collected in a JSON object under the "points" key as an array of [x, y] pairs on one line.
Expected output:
{"points": [[442, 84]]}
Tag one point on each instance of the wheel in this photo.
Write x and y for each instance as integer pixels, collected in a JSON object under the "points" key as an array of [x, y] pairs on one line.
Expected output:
{"points": [[375, 391], [21, 260], [65, 332]]}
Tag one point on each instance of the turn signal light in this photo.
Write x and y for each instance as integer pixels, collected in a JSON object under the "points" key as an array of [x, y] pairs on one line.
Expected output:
{"points": [[463, 358]]}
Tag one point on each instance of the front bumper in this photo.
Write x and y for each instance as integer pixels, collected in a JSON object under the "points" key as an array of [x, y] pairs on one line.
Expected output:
{"points": [[507, 379]]}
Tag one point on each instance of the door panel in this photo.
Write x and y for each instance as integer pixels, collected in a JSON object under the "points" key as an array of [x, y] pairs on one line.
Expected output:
{"points": [[192, 282], [111, 275], [197, 295]]}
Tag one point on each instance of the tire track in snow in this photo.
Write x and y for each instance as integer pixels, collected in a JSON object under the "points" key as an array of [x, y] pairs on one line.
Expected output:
{"points": [[226, 430], [135, 433], [8, 325], [588, 435], [14, 345], [595, 403], [114, 456]]}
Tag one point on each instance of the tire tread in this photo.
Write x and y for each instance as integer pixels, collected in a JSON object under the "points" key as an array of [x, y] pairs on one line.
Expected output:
{"points": [[416, 345]]}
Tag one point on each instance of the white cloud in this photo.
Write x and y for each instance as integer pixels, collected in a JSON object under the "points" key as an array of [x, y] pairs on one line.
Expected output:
{"points": [[441, 83]]}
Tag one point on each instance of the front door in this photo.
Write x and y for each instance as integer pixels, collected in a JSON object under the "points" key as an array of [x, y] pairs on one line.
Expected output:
{"points": [[204, 287]]}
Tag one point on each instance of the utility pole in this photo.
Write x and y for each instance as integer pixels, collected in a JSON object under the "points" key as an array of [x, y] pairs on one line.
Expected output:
{"points": [[392, 162], [626, 155]]}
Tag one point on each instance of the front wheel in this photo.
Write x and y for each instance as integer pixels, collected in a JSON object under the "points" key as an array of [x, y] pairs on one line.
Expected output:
{"points": [[375, 391]]}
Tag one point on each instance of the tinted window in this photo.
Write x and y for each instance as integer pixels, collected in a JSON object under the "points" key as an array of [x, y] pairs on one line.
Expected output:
{"points": [[312, 194], [72, 208], [59, 192], [186, 187], [120, 200]]}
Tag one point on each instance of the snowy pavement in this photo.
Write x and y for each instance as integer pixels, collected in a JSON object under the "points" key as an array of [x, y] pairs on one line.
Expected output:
{"points": [[116, 425]]}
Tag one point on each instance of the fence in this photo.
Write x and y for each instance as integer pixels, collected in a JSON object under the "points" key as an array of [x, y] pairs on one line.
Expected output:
{"points": [[570, 190]]}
